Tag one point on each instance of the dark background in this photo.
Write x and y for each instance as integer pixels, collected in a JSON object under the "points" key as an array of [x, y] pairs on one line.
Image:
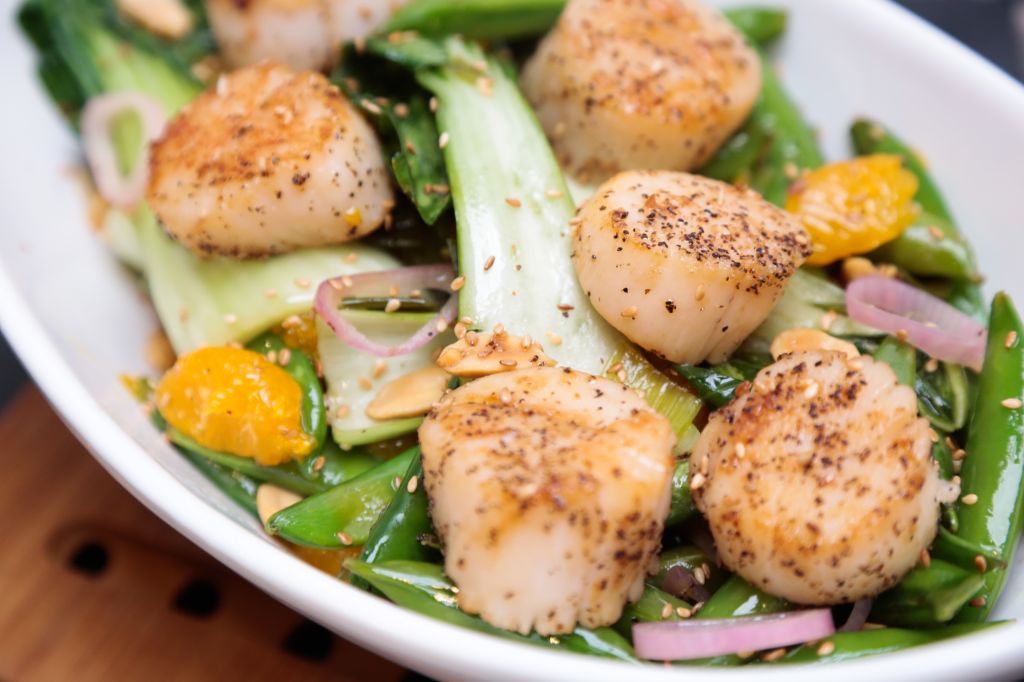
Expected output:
{"points": [[995, 28]]}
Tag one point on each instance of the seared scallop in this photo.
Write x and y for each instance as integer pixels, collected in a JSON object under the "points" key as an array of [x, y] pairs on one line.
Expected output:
{"points": [[304, 34], [625, 84], [684, 266], [549, 489], [268, 161], [818, 483]]}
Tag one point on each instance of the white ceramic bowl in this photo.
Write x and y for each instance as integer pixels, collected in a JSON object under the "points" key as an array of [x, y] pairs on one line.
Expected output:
{"points": [[76, 322]]}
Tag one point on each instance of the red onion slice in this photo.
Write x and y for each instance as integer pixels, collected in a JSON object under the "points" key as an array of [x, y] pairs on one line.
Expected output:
{"points": [[687, 639], [331, 292], [932, 325], [123, 191], [858, 616]]}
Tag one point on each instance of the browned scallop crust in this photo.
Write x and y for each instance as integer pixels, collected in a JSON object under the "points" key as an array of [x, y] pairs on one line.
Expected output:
{"points": [[818, 482], [624, 84], [267, 161]]}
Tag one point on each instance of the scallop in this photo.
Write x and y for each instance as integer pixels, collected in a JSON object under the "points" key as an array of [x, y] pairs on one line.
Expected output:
{"points": [[268, 161], [818, 483], [304, 34], [549, 489], [628, 84], [684, 266]]}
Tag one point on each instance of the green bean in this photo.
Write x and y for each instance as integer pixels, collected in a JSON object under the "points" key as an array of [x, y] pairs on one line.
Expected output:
{"points": [[313, 412], [993, 471], [398, 532], [928, 596], [337, 467], [761, 25], [424, 588], [682, 507], [846, 646], [238, 487], [653, 605], [690, 558], [734, 160], [478, 19], [948, 546], [344, 515], [942, 396]]}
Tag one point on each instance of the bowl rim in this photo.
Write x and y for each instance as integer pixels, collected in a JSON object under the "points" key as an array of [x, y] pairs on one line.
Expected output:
{"points": [[415, 640]]}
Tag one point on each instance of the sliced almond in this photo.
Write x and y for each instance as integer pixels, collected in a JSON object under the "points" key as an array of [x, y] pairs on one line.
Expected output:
{"points": [[271, 499], [166, 18], [804, 340], [410, 395], [490, 353], [158, 351]]}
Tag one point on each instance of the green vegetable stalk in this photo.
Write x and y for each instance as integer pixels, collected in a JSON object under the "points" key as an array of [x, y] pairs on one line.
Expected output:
{"points": [[991, 508], [928, 596], [476, 19], [399, 532], [847, 646]]}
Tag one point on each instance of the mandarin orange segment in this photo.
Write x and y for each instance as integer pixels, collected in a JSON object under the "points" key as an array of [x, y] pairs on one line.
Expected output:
{"points": [[236, 401], [852, 207]]}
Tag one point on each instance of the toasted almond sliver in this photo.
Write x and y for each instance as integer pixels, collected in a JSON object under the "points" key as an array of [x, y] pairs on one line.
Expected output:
{"points": [[167, 18], [410, 395], [802, 340], [479, 354], [271, 499]]}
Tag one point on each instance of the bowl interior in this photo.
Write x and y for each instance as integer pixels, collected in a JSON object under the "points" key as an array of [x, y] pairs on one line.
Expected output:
{"points": [[78, 320]]}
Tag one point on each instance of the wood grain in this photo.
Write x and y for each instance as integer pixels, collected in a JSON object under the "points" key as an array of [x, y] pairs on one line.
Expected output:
{"points": [[58, 622]]}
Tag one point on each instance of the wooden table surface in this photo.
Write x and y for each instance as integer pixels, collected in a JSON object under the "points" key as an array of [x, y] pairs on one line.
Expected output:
{"points": [[95, 587]]}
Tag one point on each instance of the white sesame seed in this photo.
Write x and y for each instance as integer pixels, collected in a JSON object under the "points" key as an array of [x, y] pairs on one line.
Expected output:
{"points": [[980, 563], [392, 305], [513, 202], [666, 611], [554, 338], [826, 648], [458, 283], [683, 612], [631, 311], [441, 326], [1012, 403], [365, 383], [925, 558], [442, 141], [342, 411], [931, 365], [379, 368], [345, 539], [969, 499], [270, 293], [284, 357], [978, 602], [489, 263], [508, 362], [505, 396], [433, 104], [697, 482], [1011, 338], [413, 483], [554, 194], [936, 233], [741, 450], [774, 655]]}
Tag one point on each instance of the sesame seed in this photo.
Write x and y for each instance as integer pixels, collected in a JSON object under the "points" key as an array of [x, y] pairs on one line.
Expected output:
{"points": [[345, 539], [284, 357], [926, 558], [365, 383], [554, 194], [485, 85], [1012, 403], [697, 482], [302, 283], [773, 655], [379, 368], [489, 263], [319, 463], [698, 575], [978, 602], [565, 307], [554, 338], [959, 454], [811, 390], [460, 330], [441, 326], [292, 321], [616, 368], [508, 362], [350, 258], [969, 499], [499, 329], [699, 294], [270, 293], [466, 320], [222, 85], [744, 654], [936, 233], [828, 319], [526, 342], [393, 291], [1011, 338], [631, 311], [346, 281], [826, 648], [980, 563], [931, 365], [458, 283], [413, 483], [621, 376], [666, 611], [396, 482], [683, 612], [370, 106], [933, 435], [741, 450], [902, 334], [392, 305], [513, 202], [411, 148], [433, 104], [442, 141], [472, 338], [230, 318], [505, 396]]}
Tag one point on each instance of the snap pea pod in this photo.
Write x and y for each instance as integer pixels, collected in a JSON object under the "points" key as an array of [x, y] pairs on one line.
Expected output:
{"points": [[424, 588], [343, 515], [715, 387], [794, 145], [477, 19], [922, 251], [846, 646], [761, 25], [902, 357], [238, 487], [948, 546], [943, 396], [682, 507], [928, 596], [994, 468], [398, 532], [734, 160], [944, 458], [966, 296], [690, 558], [313, 411], [653, 605], [337, 467]]}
